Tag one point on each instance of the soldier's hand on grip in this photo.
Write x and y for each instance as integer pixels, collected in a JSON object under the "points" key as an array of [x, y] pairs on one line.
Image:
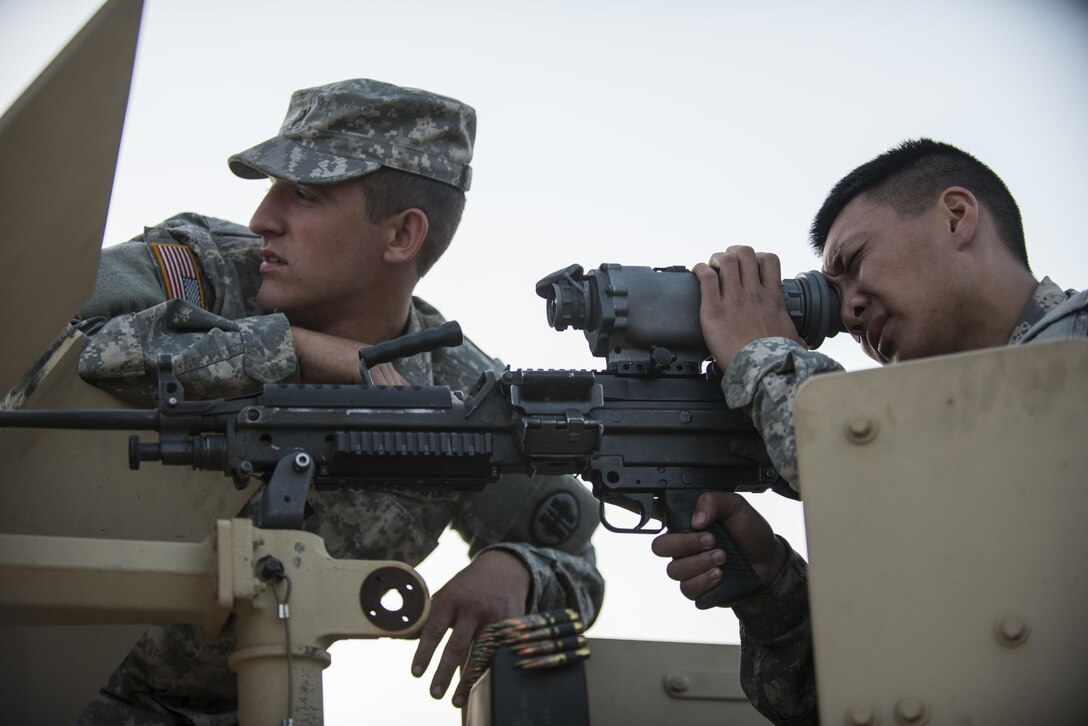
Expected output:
{"points": [[696, 563]]}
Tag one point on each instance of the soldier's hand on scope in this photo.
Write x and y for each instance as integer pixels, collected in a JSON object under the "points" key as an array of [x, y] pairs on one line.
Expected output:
{"points": [[695, 561], [741, 302], [493, 587], [325, 358]]}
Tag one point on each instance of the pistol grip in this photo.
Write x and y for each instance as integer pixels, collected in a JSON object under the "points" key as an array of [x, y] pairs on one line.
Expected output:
{"points": [[739, 581]]}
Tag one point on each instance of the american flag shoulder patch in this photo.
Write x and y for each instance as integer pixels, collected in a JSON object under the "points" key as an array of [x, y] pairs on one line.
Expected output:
{"points": [[179, 276]]}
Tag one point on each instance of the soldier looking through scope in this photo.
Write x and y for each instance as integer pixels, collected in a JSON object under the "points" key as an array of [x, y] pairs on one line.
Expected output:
{"points": [[926, 245]]}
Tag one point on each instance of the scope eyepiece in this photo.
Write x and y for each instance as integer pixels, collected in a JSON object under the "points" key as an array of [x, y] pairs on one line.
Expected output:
{"points": [[630, 314], [813, 304]]}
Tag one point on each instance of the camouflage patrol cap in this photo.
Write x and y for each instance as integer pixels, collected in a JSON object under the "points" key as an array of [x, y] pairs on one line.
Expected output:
{"points": [[345, 130]]}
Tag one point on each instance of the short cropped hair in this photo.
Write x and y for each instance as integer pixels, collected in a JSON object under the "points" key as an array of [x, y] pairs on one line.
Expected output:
{"points": [[909, 178], [391, 191]]}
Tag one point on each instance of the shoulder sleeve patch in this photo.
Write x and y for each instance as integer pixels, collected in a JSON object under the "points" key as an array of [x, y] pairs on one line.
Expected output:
{"points": [[556, 519], [177, 266]]}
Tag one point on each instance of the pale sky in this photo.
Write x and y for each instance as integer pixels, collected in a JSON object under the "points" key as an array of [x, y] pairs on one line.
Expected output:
{"points": [[632, 132]]}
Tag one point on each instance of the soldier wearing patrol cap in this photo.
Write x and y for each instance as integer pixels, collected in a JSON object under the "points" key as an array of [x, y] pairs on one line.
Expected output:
{"points": [[368, 184]]}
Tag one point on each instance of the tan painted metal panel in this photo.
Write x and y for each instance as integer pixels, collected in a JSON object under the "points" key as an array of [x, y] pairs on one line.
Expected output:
{"points": [[946, 508], [649, 682], [78, 484], [59, 144], [646, 683]]}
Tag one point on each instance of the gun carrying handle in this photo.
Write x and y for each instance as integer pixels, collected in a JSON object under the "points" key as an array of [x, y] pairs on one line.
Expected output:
{"points": [[447, 335], [739, 581]]}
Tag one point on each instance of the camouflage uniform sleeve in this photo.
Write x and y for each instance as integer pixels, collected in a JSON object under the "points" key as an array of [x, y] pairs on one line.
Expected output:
{"points": [[221, 345], [763, 380], [776, 668], [213, 357], [546, 522]]}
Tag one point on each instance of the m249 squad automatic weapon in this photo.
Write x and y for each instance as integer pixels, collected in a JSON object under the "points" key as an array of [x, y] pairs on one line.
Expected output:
{"points": [[650, 433]]}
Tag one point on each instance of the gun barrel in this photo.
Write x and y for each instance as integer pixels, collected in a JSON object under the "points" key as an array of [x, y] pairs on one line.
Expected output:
{"points": [[90, 419]]}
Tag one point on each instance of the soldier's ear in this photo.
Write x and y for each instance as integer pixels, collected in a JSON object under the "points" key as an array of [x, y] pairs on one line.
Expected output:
{"points": [[960, 209], [408, 231]]}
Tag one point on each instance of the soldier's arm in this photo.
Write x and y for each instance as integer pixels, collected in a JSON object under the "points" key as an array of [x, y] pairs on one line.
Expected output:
{"points": [[763, 380], [201, 311], [777, 669], [529, 539], [547, 522], [529, 543], [544, 521], [213, 357]]}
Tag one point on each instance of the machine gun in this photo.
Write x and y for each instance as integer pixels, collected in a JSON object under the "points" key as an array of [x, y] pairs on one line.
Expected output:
{"points": [[650, 433]]}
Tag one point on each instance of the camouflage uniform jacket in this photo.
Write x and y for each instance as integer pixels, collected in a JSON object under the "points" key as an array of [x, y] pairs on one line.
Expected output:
{"points": [[223, 346], [777, 670]]}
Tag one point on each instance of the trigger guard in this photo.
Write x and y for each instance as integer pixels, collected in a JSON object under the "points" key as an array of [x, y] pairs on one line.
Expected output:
{"points": [[641, 528]]}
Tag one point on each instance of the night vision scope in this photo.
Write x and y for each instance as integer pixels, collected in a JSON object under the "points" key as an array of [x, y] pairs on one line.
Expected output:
{"points": [[645, 320]]}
